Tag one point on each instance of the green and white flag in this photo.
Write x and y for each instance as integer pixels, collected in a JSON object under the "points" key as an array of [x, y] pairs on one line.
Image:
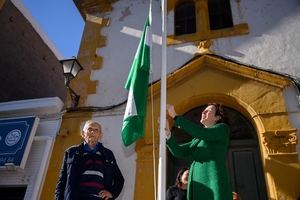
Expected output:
{"points": [[137, 84]]}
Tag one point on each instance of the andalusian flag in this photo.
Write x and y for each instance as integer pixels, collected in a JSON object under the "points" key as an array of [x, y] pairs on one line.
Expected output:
{"points": [[137, 84]]}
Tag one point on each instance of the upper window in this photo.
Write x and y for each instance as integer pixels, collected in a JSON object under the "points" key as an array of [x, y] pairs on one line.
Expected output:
{"points": [[219, 14], [185, 18], [198, 20]]}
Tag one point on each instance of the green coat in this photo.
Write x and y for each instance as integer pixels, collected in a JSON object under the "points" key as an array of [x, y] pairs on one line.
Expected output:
{"points": [[208, 178]]}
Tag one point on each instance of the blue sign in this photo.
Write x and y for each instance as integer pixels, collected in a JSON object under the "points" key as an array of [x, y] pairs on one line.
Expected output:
{"points": [[16, 135]]}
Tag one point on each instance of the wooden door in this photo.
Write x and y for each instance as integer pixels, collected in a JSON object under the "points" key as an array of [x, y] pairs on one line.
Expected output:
{"points": [[245, 170]]}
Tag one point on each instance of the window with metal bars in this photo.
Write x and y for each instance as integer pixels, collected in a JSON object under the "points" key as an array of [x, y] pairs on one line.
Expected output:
{"points": [[185, 18], [220, 15]]}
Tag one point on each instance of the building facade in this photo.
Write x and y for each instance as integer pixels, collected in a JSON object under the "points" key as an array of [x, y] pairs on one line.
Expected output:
{"points": [[244, 54]]}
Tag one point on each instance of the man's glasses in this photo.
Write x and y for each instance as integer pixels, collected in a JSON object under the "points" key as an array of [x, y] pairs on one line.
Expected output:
{"points": [[95, 130]]}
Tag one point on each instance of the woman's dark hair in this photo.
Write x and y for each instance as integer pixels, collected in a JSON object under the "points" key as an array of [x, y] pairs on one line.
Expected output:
{"points": [[178, 182], [221, 113]]}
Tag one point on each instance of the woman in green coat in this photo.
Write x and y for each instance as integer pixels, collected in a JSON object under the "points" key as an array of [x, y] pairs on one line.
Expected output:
{"points": [[208, 177]]}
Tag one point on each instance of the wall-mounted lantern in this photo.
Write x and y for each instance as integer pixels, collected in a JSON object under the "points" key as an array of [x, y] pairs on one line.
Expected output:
{"points": [[71, 68]]}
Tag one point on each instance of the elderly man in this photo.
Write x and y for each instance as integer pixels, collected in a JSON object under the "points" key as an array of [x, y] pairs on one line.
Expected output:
{"points": [[89, 170]]}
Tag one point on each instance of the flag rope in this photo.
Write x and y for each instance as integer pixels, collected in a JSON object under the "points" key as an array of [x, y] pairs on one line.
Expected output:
{"points": [[153, 136], [152, 106]]}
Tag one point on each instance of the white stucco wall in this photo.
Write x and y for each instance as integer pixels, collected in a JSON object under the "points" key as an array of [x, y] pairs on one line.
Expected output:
{"points": [[123, 35], [273, 41]]}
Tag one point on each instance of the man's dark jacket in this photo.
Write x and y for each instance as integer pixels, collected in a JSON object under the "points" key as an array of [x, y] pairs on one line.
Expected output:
{"points": [[68, 183]]}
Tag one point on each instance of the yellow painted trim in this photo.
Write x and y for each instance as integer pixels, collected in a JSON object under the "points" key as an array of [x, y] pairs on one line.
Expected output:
{"points": [[281, 142], [239, 29], [88, 56], [90, 7], [287, 180], [252, 73], [98, 20], [144, 183], [226, 66]]}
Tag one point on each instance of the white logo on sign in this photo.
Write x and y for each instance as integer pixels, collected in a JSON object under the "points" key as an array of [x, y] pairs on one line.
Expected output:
{"points": [[13, 137]]}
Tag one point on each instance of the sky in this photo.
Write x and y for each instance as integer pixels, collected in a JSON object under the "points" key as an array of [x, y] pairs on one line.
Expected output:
{"points": [[61, 22]]}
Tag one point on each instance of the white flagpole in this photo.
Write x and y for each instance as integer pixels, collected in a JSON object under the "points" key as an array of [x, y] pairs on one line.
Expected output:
{"points": [[163, 89]]}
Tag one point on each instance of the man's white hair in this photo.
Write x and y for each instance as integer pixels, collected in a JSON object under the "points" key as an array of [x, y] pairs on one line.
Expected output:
{"points": [[89, 122]]}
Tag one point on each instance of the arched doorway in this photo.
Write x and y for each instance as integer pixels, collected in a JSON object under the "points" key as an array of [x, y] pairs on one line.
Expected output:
{"points": [[243, 161]]}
